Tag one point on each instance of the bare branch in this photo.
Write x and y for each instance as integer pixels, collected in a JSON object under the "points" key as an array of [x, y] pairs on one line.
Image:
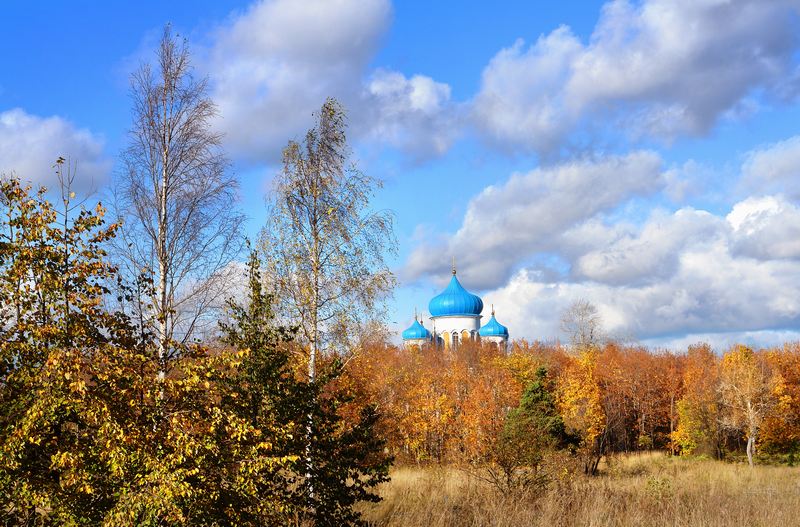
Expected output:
{"points": [[175, 194]]}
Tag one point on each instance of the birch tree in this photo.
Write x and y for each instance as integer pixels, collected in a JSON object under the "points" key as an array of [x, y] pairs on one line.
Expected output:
{"points": [[747, 393], [582, 323], [175, 195], [324, 245]]}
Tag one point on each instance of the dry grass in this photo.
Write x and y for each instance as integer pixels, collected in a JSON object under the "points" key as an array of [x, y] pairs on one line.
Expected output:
{"points": [[640, 490]]}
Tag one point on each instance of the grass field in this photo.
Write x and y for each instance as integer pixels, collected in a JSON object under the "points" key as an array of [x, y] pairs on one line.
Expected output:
{"points": [[638, 490]]}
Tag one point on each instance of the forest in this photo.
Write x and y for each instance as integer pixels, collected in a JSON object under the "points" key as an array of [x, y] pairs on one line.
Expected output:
{"points": [[481, 405], [156, 368]]}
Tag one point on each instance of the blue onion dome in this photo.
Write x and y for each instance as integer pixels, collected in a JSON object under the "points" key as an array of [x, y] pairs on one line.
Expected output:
{"points": [[416, 331], [493, 328], [455, 301]]}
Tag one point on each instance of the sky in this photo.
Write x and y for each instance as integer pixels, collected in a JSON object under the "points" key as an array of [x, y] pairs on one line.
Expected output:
{"points": [[641, 155]]}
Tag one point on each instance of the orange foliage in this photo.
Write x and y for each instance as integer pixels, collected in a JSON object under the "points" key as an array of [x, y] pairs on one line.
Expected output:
{"points": [[441, 404], [580, 404], [781, 429], [698, 430], [450, 405]]}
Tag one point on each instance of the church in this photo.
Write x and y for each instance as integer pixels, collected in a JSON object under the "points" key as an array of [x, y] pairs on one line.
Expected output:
{"points": [[455, 317]]}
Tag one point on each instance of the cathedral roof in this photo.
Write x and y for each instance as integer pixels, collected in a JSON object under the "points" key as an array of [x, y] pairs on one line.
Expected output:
{"points": [[416, 331], [493, 328], [455, 301]]}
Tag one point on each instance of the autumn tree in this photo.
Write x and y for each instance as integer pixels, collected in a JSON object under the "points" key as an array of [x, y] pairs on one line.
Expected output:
{"points": [[673, 366], [780, 431], [747, 395], [580, 401], [635, 387], [53, 278], [698, 430], [441, 407], [324, 245], [174, 196], [425, 406], [89, 434]]}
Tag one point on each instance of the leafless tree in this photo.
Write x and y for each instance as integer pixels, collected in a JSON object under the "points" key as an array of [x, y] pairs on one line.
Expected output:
{"points": [[176, 196], [324, 245], [582, 324]]}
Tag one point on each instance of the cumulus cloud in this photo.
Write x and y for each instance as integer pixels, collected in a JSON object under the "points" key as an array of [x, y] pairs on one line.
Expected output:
{"points": [[704, 284], [413, 114], [521, 100], [662, 68], [530, 212], [767, 228], [30, 145], [651, 255], [273, 65]]}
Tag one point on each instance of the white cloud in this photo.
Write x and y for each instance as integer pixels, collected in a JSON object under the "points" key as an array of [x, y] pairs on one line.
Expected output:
{"points": [[721, 341], [682, 276], [662, 68], [530, 212], [272, 66], [653, 254], [775, 167], [521, 99], [413, 114], [766, 228], [30, 145], [692, 180]]}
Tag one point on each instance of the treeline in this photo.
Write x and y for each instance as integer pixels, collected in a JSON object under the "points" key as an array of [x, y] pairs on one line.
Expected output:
{"points": [[457, 406]]}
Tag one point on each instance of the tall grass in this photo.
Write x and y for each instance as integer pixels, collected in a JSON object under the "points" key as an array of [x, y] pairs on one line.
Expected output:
{"points": [[640, 490]]}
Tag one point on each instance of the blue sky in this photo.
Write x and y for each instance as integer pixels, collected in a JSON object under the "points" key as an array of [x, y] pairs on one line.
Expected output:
{"points": [[644, 156]]}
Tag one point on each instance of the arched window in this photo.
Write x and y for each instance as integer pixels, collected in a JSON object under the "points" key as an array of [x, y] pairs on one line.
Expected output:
{"points": [[455, 340], [465, 336]]}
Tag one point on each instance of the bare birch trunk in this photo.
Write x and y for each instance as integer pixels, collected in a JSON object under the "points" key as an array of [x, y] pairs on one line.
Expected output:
{"points": [[163, 269], [312, 352]]}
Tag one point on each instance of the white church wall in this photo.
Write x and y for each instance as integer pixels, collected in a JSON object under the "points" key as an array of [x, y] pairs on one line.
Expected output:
{"points": [[457, 323]]}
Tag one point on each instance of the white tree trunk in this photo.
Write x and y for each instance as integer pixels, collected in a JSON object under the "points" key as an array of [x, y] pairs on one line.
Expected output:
{"points": [[163, 308], [312, 360]]}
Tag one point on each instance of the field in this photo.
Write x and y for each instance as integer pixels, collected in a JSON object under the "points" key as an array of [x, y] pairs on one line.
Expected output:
{"points": [[641, 490]]}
